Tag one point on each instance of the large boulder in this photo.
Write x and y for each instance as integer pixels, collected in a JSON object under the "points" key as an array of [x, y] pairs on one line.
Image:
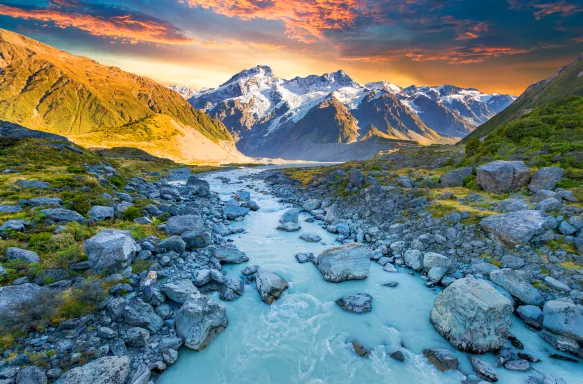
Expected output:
{"points": [[414, 259], [432, 259], [563, 318], [517, 286], [110, 249], [270, 285], [12, 296], [179, 291], [228, 255], [290, 216], [13, 253], [515, 228], [347, 262], [177, 225], [31, 375], [472, 316], [456, 177], [99, 213], [232, 289], [199, 321], [105, 370], [503, 176], [196, 239], [233, 210], [138, 313], [61, 215], [546, 178], [198, 187]]}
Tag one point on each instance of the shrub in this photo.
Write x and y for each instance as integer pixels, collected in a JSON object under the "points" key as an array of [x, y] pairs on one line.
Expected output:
{"points": [[472, 146], [131, 213], [46, 243], [82, 299]]}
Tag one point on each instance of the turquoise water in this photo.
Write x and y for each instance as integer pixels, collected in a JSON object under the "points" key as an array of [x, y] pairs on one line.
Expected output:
{"points": [[304, 337]]}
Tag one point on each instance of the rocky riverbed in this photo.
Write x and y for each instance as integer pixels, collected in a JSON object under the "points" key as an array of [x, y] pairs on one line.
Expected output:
{"points": [[255, 278]]}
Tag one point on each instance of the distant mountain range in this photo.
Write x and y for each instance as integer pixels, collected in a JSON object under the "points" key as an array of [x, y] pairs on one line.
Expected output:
{"points": [[46, 89], [314, 117]]}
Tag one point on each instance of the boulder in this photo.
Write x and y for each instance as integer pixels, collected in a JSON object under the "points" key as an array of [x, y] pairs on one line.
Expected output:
{"points": [[311, 204], [290, 216], [136, 337], [15, 225], [503, 176], [347, 262], [359, 303], [443, 359], [10, 208], [517, 286], [179, 291], [31, 375], [12, 296], [110, 249], [32, 184], [563, 318], [456, 177], [414, 259], [356, 178], [289, 227], [561, 343], [99, 213], [270, 285], [61, 215], [173, 244], [232, 289], [432, 259], [531, 315], [511, 205], [472, 316], [233, 210], [483, 369], [13, 253], [228, 255], [196, 239], [105, 370], [515, 228], [138, 313], [546, 178], [548, 205], [250, 204], [304, 257], [198, 187], [177, 225], [310, 237], [199, 321], [44, 201], [242, 196]]}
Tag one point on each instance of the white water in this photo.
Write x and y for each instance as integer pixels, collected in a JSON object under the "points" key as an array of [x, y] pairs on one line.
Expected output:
{"points": [[304, 337]]}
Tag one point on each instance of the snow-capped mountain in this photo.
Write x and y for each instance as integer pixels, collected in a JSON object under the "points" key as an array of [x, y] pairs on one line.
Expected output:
{"points": [[273, 117], [184, 91]]}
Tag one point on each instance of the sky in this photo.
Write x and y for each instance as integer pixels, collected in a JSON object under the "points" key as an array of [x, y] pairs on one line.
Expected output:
{"points": [[493, 45]]}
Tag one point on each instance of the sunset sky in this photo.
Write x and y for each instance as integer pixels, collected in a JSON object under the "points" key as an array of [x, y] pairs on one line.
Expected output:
{"points": [[492, 45]]}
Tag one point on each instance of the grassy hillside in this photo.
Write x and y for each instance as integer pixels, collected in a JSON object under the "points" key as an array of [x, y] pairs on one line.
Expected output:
{"points": [[47, 89], [567, 81], [549, 135]]}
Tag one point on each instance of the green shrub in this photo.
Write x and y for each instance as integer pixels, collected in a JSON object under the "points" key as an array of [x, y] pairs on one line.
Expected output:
{"points": [[47, 243], [131, 213]]}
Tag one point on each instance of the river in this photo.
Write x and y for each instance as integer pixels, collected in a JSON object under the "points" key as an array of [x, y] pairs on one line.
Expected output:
{"points": [[304, 337]]}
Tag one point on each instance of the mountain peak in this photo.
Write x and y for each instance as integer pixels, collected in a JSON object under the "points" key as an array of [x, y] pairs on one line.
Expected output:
{"points": [[259, 70]]}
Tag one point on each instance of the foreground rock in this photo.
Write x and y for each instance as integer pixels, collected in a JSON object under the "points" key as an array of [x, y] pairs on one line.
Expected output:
{"points": [[110, 249], [105, 370], [515, 228], [483, 369], [359, 303], [546, 179], [198, 187], [199, 321], [234, 211], [22, 254], [443, 359], [502, 176], [228, 255], [517, 286], [472, 316], [270, 285], [177, 225], [61, 215], [563, 318], [347, 262]]}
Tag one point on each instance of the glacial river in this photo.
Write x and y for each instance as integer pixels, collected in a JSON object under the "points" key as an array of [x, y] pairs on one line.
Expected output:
{"points": [[304, 337]]}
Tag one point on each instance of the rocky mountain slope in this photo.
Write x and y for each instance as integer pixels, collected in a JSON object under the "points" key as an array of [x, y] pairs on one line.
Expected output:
{"points": [[568, 81], [263, 111], [50, 90]]}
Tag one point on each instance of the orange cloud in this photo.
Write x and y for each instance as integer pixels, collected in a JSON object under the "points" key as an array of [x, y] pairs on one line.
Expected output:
{"points": [[123, 28], [562, 7], [305, 21]]}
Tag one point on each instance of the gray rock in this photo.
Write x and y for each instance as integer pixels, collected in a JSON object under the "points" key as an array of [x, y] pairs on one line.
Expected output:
{"points": [[567, 229], [519, 365], [270, 285], [228, 255], [502, 176], [290, 216], [179, 291], [110, 249], [549, 204], [10, 208], [432, 259], [511, 205], [311, 204], [106, 333], [443, 359], [456, 177], [198, 186], [99, 213], [44, 201], [515, 228], [138, 313], [414, 259], [531, 315], [233, 210], [61, 215], [170, 356], [231, 290], [556, 284], [252, 205], [32, 184], [543, 194], [31, 375], [435, 274], [242, 196], [472, 316], [563, 318], [22, 254], [12, 296], [105, 370], [561, 343], [289, 227], [136, 337], [177, 225], [173, 244], [305, 257], [199, 321], [15, 225], [310, 237], [347, 262], [359, 303], [196, 239], [483, 369], [517, 286], [546, 178]]}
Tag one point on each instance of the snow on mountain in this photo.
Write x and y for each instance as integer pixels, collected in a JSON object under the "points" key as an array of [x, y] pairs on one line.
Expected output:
{"points": [[184, 91], [255, 103]]}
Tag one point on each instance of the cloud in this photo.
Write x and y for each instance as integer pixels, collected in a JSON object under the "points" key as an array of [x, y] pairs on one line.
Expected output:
{"points": [[119, 26], [543, 9], [305, 21]]}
